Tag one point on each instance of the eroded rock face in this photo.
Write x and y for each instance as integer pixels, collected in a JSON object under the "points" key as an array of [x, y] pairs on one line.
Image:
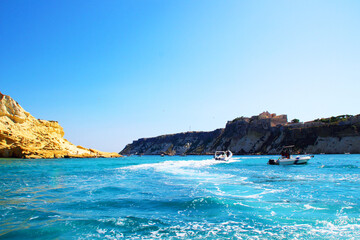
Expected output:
{"points": [[11, 109], [23, 136], [263, 134]]}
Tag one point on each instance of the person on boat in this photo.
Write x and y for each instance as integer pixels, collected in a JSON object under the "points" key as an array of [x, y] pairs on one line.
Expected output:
{"points": [[285, 154]]}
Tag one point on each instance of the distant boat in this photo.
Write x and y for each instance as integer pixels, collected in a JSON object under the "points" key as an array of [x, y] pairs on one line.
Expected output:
{"points": [[223, 155], [287, 159], [347, 153]]}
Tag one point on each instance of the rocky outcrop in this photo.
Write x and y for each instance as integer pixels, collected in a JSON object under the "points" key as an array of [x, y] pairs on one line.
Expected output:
{"points": [[263, 134], [181, 143], [23, 136]]}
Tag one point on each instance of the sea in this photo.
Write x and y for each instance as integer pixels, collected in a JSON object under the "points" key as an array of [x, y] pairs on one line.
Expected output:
{"points": [[180, 197]]}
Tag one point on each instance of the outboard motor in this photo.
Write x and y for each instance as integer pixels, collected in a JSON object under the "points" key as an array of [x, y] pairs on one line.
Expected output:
{"points": [[271, 162]]}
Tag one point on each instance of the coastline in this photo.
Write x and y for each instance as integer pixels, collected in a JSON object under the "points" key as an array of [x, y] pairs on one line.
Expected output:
{"points": [[24, 136], [263, 134]]}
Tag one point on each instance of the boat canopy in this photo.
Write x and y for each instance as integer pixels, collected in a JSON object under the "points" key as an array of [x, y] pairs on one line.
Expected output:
{"points": [[290, 146]]}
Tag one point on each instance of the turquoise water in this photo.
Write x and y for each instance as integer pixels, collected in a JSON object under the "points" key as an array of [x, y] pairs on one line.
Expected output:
{"points": [[191, 197]]}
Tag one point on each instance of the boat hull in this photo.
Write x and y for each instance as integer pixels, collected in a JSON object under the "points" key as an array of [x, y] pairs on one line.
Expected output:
{"points": [[223, 157], [294, 161], [290, 161]]}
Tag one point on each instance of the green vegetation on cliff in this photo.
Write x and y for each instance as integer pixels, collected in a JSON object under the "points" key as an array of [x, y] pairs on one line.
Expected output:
{"points": [[333, 119]]}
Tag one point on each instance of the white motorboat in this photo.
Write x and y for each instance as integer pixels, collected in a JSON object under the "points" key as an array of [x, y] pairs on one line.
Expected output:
{"points": [[223, 155], [287, 159], [293, 160]]}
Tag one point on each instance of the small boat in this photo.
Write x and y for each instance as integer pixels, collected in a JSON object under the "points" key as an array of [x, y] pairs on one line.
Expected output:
{"points": [[287, 159], [223, 155], [290, 161]]}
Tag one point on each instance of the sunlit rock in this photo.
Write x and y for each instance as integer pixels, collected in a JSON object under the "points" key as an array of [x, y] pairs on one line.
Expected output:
{"points": [[23, 136]]}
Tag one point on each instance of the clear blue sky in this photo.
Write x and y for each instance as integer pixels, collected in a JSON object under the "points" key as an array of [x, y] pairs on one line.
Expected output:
{"points": [[113, 71]]}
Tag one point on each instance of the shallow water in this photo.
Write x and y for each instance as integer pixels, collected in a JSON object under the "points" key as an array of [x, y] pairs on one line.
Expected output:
{"points": [[191, 197]]}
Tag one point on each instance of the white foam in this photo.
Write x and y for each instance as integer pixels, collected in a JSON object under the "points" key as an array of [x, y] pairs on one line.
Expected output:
{"points": [[101, 231], [189, 168], [308, 207], [241, 204], [172, 164], [259, 195], [250, 157]]}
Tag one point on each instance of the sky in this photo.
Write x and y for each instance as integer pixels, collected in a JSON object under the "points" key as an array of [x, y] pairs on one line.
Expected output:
{"points": [[111, 72]]}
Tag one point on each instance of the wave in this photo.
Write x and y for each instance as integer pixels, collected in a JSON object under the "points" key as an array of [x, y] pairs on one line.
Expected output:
{"points": [[350, 166], [139, 228]]}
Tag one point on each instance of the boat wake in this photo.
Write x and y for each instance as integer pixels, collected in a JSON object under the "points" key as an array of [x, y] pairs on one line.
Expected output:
{"points": [[193, 168]]}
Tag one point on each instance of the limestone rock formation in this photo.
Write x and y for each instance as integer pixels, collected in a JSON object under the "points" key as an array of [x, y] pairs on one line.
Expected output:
{"points": [[263, 134], [23, 136]]}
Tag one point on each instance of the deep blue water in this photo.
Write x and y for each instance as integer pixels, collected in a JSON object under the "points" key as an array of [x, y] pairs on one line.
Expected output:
{"points": [[191, 197]]}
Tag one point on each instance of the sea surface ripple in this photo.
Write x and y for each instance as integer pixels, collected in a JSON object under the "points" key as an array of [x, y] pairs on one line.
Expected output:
{"points": [[192, 197]]}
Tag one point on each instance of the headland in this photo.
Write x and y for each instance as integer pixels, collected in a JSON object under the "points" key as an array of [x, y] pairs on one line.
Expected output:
{"points": [[263, 134], [23, 136]]}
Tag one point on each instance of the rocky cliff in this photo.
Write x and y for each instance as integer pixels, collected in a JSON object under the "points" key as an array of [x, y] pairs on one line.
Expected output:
{"points": [[23, 136], [263, 134]]}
